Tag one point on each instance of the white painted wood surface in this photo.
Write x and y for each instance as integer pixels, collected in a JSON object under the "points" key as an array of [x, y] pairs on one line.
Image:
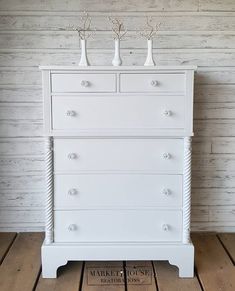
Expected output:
{"points": [[33, 33], [144, 112], [108, 155], [140, 226], [88, 83], [154, 83], [118, 155], [83, 191]]}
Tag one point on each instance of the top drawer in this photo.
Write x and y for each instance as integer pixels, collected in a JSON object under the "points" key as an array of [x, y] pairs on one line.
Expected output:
{"points": [[152, 82], [83, 83]]}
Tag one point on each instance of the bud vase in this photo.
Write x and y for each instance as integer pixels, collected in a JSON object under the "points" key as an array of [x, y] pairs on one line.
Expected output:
{"points": [[149, 60], [83, 60], [117, 59]]}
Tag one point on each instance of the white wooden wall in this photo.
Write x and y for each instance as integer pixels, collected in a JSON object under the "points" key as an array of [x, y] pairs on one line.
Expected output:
{"points": [[197, 32]]}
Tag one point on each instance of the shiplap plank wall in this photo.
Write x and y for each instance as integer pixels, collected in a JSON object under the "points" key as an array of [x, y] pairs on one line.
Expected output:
{"points": [[195, 32]]}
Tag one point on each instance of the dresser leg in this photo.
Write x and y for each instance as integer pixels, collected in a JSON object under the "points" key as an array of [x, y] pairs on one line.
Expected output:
{"points": [[184, 260], [186, 269], [51, 261]]}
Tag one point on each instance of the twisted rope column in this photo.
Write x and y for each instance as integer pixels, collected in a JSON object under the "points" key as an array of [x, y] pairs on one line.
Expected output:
{"points": [[49, 190], [187, 189]]}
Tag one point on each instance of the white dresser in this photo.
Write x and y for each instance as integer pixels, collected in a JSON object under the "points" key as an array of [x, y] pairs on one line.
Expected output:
{"points": [[118, 165]]}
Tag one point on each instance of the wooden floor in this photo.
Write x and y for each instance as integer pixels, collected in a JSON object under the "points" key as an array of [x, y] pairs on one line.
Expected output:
{"points": [[21, 268]]}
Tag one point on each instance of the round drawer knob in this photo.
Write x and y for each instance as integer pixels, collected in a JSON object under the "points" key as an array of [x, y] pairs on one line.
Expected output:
{"points": [[165, 227], [84, 83], [72, 191], [72, 227], [166, 156], [154, 83], [71, 113], [167, 113], [166, 192], [72, 156]]}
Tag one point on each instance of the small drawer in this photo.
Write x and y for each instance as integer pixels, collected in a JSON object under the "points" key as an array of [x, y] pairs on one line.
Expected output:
{"points": [[118, 226], [152, 83], [92, 191], [131, 155], [121, 113], [83, 83]]}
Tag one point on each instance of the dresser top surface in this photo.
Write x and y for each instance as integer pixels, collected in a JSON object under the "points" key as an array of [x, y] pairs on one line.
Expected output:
{"points": [[119, 68]]}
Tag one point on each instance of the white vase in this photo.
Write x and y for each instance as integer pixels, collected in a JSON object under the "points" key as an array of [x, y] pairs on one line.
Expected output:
{"points": [[117, 59], [83, 60], [149, 60]]}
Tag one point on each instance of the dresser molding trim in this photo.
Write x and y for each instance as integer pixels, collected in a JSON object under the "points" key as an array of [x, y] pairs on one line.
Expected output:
{"points": [[143, 133], [187, 189], [49, 190], [120, 68], [58, 254]]}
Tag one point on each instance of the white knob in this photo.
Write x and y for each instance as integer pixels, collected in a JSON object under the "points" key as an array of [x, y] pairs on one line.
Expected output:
{"points": [[166, 156], [166, 192], [72, 191], [154, 83], [72, 227], [167, 113], [72, 156], [165, 227], [84, 83], [70, 113]]}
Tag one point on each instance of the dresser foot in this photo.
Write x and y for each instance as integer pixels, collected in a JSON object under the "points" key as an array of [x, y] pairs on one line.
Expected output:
{"points": [[58, 254], [185, 262], [51, 261]]}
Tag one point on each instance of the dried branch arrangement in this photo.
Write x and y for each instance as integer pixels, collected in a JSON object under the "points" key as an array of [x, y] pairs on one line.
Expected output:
{"points": [[118, 28], [150, 30], [84, 29]]}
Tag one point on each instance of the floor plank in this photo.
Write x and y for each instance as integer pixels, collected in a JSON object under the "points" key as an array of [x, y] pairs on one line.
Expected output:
{"points": [[21, 267], [140, 276], [228, 240], [168, 279], [22, 263], [68, 279], [6, 239], [102, 276], [215, 269]]}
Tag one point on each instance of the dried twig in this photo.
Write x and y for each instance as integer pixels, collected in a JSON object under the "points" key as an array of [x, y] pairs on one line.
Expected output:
{"points": [[150, 30], [84, 29], [118, 28]]}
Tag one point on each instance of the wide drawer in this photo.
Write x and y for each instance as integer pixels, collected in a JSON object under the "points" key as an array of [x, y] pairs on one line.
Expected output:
{"points": [[148, 155], [83, 82], [118, 112], [117, 226], [86, 191], [152, 82]]}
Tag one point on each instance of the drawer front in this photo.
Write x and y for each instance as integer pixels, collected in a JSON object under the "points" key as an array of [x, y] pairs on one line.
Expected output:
{"points": [[116, 191], [157, 155], [117, 226], [83, 83], [118, 112], [152, 82]]}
